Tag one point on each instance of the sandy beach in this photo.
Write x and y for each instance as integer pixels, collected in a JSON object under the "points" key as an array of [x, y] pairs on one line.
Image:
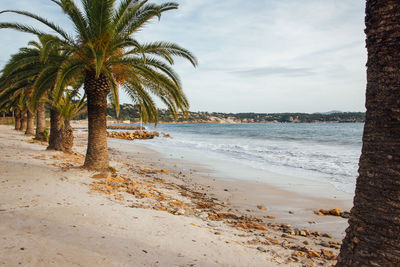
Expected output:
{"points": [[153, 211]]}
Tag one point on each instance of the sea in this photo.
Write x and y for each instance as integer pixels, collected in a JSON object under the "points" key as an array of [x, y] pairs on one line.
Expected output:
{"points": [[318, 151]]}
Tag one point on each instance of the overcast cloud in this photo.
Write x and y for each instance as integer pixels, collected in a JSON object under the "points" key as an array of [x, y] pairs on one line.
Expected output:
{"points": [[260, 56]]}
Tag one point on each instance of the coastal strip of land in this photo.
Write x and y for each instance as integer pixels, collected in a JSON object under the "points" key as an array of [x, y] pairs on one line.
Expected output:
{"points": [[150, 211]]}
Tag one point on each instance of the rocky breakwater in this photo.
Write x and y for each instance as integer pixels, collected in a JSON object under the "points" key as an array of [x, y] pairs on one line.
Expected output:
{"points": [[133, 135]]}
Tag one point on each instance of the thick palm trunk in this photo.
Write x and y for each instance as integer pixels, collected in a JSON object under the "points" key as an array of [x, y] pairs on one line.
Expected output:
{"points": [[61, 135], [40, 120], [22, 125], [17, 119], [373, 235], [97, 90], [30, 123], [68, 137], [57, 133]]}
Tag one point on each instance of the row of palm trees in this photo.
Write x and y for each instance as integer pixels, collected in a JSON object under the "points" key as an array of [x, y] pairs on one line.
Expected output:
{"points": [[102, 57]]}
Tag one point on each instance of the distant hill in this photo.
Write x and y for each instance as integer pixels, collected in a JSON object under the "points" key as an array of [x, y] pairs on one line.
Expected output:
{"points": [[129, 112], [330, 112]]}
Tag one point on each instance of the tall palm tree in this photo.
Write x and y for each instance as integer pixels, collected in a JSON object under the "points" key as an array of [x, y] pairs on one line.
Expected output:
{"points": [[105, 52], [68, 108], [373, 235]]}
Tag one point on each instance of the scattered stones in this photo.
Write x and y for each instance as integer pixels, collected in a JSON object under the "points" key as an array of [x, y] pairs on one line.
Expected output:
{"points": [[316, 234], [325, 244], [272, 240], [299, 254], [203, 216], [327, 235], [328, 254], [261, 207], [345, 214], [324, 212], [103, 175], [333, 212], [313, 254], [192, 203], [212, 224], [269, 217], [179, 212], [261, 249]]}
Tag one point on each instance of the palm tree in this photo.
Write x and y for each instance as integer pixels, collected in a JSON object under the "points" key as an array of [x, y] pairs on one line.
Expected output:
{"points": [[68, 108], [105, 52], [48, 58], [373, 235]]}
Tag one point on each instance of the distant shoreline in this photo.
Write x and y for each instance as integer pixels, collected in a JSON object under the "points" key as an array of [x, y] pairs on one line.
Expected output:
{"points": [[83, 123]]}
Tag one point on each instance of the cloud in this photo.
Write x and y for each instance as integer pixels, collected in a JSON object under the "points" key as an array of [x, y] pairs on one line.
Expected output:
{"points": [[262, 56], [268, 71]]}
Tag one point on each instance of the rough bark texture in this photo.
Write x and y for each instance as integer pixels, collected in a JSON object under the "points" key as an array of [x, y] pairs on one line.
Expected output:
{"points": [[30, 123], [68, 137], [61, 134], [40, 120], [373, 235], [97, 90], [17, 115], [22, 125], [56, 125]]}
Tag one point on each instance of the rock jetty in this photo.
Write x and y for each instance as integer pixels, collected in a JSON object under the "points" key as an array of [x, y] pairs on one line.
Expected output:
{"points": [[133, 135]]}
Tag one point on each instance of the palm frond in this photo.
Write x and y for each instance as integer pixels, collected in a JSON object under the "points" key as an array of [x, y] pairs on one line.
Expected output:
{"points": [[53, 26]]}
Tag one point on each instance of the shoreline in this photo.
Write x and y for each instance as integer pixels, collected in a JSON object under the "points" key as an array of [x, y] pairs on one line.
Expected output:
{"points": [[285, 203], [54, 212]]}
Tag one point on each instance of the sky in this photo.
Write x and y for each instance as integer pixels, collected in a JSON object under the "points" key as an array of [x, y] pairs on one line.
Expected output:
{"points": [[254, 56]]}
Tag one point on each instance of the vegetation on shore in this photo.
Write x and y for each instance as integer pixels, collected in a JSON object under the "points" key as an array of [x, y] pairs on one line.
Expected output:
{"points": [[128, 112]]}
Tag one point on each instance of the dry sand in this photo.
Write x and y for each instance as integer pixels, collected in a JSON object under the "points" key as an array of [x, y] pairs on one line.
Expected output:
{"points": [[51, 216]]}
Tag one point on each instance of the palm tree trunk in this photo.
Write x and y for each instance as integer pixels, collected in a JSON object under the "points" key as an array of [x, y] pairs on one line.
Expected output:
{"points": [[55, 130], [97, 90], [30, 123], [40, 120], [68, 137], [373, 235], [17, 119], [22, 126]]}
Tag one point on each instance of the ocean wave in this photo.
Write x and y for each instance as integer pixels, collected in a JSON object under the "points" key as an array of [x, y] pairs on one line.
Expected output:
{"points": [[337, 160]]}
